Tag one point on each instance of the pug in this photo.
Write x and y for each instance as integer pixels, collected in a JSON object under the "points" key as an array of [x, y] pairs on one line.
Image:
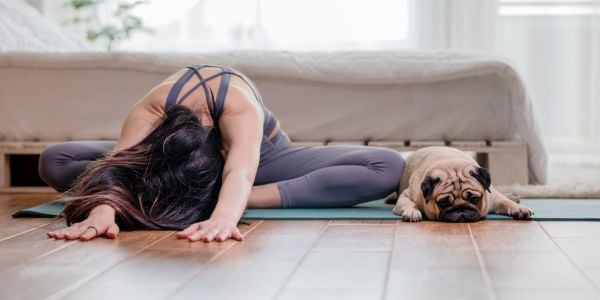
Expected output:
{"points": [[446, 184]]}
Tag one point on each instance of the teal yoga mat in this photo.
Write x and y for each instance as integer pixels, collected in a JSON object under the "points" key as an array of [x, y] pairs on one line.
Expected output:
{"points": [[545, 210], [46, 210]]}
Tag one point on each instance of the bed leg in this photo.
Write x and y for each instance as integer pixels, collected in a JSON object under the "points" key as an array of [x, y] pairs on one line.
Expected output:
{"points": [[4, 170], [507, 163]]}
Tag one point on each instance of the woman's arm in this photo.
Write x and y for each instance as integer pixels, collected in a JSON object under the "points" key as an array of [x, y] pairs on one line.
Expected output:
{"points": [[141, 120], [241, 129], [143, 117]]}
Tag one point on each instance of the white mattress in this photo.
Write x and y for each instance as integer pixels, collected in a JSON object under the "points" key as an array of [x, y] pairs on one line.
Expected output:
{"points": [[344, 96]]}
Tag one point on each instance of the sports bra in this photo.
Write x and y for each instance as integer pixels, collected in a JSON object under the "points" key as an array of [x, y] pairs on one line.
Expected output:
{"points": [[215, 106]]}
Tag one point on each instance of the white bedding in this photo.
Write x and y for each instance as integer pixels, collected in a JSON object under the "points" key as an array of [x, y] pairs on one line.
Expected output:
{"points": [[22, 28], [383, 96]]}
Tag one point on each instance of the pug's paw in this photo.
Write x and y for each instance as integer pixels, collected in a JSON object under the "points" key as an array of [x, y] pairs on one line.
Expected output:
{"points": [[522, 213], [412, 215]]}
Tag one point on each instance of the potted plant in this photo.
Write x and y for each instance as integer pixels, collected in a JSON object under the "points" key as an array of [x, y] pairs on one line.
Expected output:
{"points": [[119, 25]]}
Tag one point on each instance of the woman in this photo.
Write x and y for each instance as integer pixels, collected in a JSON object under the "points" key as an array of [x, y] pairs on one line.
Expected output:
{"points": [[198, 159]]}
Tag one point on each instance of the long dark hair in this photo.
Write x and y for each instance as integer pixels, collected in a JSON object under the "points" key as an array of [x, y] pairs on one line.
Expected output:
{"points": [[168, 181]]}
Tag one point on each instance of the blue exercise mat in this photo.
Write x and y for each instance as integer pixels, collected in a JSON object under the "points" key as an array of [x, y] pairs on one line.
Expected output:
{"points": [[545, 210]]}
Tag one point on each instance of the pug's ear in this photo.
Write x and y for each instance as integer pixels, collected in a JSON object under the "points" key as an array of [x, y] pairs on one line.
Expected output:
{"points": [[427, 187], [483, 176]]}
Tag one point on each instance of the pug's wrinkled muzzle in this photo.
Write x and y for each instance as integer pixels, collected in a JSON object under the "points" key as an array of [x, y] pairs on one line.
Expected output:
{"points": [[460, 214]]}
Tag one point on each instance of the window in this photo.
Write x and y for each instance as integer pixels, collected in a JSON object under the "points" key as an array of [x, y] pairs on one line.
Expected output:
{"points": [[556, 45], [546, 7], [273, 24]]}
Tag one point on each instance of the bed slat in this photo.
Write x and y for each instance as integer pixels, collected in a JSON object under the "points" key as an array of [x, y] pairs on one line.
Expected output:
{"points": [[506, 160]]}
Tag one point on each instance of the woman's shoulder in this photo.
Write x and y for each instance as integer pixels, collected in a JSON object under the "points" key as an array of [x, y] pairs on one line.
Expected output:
{"points": [[153, 103], [155, 98]]}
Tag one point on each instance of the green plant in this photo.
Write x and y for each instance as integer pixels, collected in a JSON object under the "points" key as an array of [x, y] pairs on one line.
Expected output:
{"points": [[121, 25]]}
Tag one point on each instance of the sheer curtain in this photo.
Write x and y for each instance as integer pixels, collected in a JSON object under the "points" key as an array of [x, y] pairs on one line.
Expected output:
{"points": [[554, 44], [557, 46]]}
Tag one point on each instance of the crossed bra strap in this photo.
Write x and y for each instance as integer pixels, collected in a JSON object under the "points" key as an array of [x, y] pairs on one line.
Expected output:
{"points": [[215, 105]]}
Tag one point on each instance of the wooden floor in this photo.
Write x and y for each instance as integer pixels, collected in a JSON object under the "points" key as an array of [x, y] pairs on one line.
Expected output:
{"points": [[305, 260]]}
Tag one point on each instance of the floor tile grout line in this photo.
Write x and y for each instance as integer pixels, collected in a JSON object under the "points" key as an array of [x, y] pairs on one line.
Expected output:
{"points": [[389, 263], [79, 283], [24, 232], [37, 257], [580, 270], [205, 264], [346, 224], [67, 244], [299, 262], [482, 266], [349, 250]]}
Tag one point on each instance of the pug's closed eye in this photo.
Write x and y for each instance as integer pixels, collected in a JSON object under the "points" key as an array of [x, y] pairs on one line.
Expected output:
{"points": [[444, 202], [474, 199]]}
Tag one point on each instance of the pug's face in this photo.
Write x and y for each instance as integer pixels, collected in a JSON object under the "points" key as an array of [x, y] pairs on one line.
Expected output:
{"points": [[456, 192]]}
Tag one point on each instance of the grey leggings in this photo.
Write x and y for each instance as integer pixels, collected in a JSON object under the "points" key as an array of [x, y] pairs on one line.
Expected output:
{"points": [[327, 176]]}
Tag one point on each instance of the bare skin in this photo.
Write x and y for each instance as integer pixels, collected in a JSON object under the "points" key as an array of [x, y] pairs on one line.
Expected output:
{"points": [[265, 196], [102, 218], [241, 130], [100, 222]]}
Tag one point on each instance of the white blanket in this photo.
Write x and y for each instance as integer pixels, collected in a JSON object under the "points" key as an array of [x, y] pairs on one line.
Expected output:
{"points": [[22, 28]]}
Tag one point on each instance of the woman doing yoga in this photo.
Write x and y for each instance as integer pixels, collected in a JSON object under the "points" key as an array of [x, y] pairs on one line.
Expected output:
{"points": [[192, 160]]}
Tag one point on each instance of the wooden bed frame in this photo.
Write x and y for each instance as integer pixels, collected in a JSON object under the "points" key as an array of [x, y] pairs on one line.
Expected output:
{"points": [[506, 160]]}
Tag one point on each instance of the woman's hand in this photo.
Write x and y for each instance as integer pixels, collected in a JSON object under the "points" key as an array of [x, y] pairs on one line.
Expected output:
{"points": [[100, 222], [215, 228]]}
